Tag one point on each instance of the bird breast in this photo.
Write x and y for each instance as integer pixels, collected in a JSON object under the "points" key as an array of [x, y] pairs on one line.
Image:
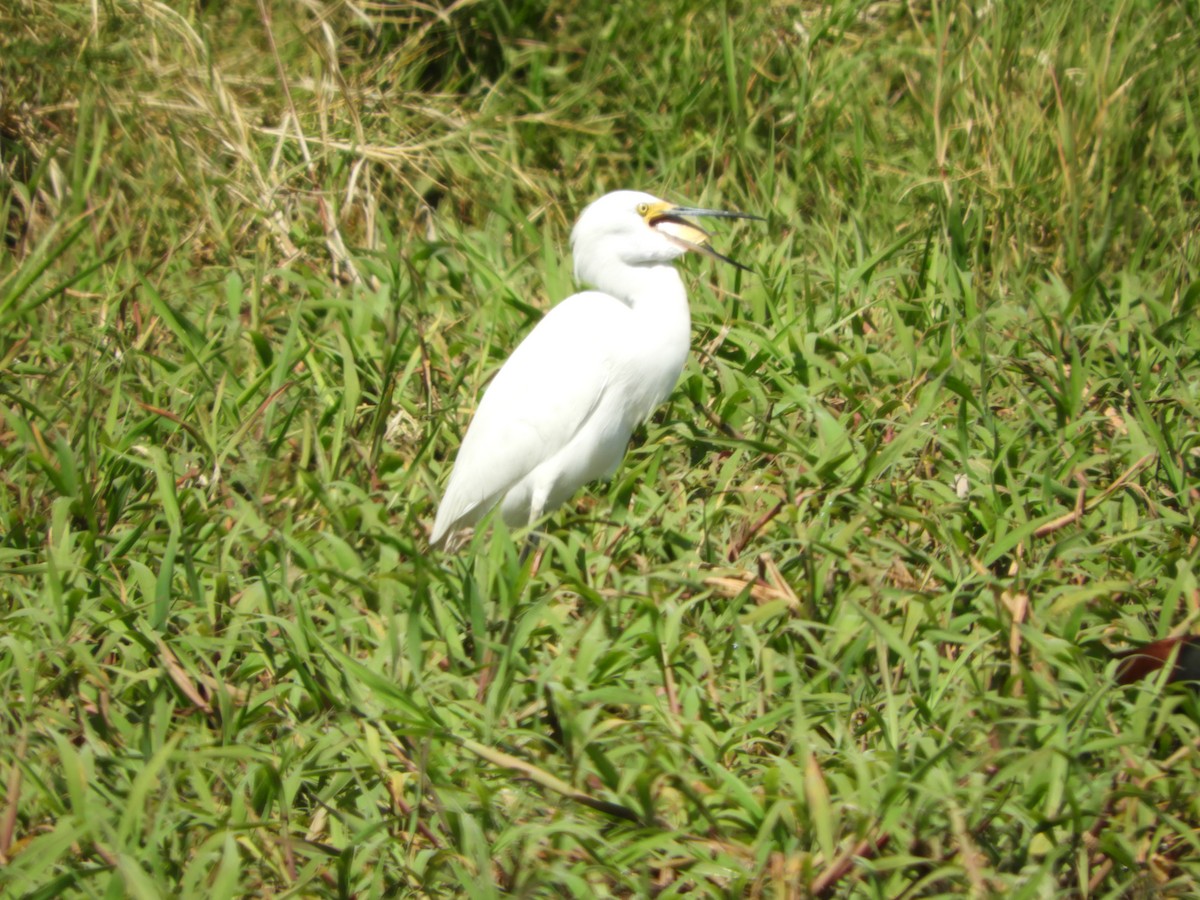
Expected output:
{"points": [[647, 373]]}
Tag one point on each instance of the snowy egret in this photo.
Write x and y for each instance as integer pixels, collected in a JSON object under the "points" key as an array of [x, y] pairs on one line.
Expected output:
{"points": [[561, 410]]}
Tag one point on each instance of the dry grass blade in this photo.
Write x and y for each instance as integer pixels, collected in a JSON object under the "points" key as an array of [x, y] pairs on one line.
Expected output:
{"points": [[548, 781]]}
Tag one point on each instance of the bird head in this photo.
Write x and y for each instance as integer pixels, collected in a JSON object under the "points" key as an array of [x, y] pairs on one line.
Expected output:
{"points": [[638, 229]]}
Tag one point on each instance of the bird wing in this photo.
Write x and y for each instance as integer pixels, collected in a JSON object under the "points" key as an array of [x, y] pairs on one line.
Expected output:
{"points": [[538, 401]]}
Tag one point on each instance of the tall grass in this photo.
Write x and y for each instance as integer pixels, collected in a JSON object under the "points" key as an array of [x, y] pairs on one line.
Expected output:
{"points": [[842, 623]]}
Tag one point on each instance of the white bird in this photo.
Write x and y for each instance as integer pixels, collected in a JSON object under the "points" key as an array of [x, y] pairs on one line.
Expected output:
{"points": [[561, 410]]}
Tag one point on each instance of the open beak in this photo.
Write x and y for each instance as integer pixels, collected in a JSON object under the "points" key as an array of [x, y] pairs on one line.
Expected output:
{"points": [[668, 219]]}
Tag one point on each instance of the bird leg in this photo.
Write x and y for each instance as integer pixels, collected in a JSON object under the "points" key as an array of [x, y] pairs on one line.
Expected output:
{"points": [[531, 544], [537, 503]]}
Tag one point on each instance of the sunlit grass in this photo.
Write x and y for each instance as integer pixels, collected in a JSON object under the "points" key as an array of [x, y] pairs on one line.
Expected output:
{"points": [[841, 624]]}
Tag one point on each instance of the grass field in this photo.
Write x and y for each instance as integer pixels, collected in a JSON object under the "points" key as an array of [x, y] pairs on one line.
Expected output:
{"points": [[843, 623]]}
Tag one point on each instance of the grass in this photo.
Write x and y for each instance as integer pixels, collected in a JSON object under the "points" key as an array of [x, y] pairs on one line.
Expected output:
{"points": [[841, 625]]}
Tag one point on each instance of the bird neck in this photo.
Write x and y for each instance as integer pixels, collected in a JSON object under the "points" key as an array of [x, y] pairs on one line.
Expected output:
{"points": [[661, 335], [647, 289]]}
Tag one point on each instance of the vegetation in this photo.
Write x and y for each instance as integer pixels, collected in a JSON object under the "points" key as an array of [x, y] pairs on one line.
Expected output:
{"points": [[842, 624]]}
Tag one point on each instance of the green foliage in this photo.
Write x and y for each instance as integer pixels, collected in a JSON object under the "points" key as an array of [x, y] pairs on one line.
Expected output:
{"points": [[843, 621]]}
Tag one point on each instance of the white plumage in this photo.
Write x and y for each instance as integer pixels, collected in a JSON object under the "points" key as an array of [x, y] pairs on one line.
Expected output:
{"points": [[561, 410]]}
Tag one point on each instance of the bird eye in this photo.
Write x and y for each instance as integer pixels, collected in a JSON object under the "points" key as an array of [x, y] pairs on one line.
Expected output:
{"points": [[643, 208]]}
